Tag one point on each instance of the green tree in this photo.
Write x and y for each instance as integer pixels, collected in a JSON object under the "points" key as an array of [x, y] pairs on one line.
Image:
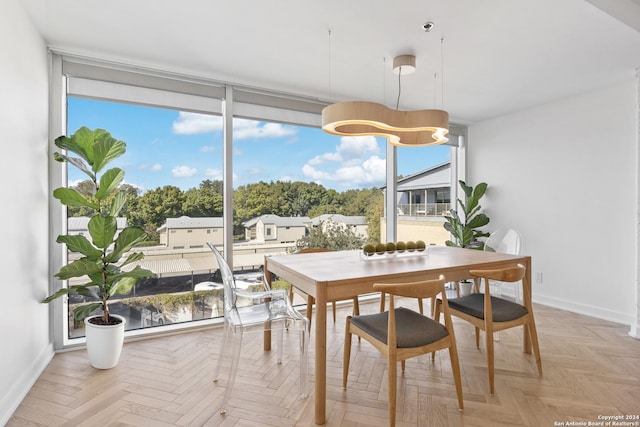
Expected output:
{"points": [[205, 201], [155, 206], [374, 211], [330, 235]]}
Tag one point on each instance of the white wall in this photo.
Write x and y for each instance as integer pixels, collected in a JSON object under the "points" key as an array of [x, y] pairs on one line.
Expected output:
{"points": [[564, 175], [24, 335]]}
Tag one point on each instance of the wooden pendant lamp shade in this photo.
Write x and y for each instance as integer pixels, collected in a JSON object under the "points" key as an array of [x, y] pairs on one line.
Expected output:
{"points": [[402, 128]]}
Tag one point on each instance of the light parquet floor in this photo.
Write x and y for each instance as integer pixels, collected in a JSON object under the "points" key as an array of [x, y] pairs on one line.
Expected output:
{"points": [[591, 368]]}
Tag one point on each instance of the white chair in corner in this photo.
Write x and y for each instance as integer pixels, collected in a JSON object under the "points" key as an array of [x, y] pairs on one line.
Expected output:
{"points": [[506, 241], [246, 311]]}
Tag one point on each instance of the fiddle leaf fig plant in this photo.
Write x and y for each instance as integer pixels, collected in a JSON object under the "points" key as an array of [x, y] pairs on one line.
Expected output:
{"points": [[464, 226], [100, 262]]}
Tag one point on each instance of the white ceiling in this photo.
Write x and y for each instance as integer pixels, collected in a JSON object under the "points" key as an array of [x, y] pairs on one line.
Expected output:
{"points": [[499, 56]]}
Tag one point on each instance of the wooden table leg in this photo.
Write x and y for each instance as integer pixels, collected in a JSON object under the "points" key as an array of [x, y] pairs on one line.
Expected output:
{"points": [[526, 344], [267, 340], [321, 354]]}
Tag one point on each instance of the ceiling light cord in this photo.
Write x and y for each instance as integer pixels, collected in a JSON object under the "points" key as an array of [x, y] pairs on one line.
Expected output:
{"points": [[384, 80], [442, 73], [399, 88], [435, 90], [330, 67]]}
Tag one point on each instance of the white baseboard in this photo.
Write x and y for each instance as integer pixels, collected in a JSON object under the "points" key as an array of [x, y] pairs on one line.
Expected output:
{"points": [[586, 310], [635, 331], [15, 393]]}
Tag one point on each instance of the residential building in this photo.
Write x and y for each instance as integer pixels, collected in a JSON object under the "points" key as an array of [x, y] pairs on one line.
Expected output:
{"points": [[191, 233], [422, 199], [79, 225], [426, 193], [273, 228]]}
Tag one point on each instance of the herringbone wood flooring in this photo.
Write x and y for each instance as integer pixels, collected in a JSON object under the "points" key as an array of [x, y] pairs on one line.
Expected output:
{"points": [[590, 367]]}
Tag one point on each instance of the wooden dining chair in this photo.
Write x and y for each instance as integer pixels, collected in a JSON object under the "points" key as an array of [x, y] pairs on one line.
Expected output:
{"points": [[401, 333], [491, 314], [311, 300]]}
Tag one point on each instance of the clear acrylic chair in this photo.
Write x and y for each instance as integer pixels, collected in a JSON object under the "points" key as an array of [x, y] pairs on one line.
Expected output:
{"points": [[246, 311]]}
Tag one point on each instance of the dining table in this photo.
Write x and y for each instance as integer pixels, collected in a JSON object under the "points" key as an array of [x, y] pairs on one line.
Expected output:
{"points": [[338, 275]]}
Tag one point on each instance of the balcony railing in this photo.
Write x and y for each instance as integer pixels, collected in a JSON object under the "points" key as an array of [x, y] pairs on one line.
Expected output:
{"points": [[423, 209]]}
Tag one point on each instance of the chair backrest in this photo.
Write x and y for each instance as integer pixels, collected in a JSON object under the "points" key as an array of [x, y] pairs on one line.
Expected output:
{"points": [[422, 289], [227, 280], [504, 241], [510, 274]]}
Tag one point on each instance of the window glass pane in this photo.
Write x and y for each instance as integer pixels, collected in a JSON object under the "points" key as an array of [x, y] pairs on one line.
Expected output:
{"points": [[298, 187], [173, 172], [424, 184]]}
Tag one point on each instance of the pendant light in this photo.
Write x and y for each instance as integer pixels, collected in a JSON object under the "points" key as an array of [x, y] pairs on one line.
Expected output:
{"points": [[402, 128]]}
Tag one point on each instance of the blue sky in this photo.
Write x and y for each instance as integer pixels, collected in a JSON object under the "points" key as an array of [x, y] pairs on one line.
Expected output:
{"points": [[169, 147]]}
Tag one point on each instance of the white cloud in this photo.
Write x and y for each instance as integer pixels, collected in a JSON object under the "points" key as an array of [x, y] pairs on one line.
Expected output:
{"points": [[313, 173], [150, 167], [183, 171], [326, 157], [207, 148], [194, 123], [357, 147], [355, 162], [213, 174], [245, 129]]}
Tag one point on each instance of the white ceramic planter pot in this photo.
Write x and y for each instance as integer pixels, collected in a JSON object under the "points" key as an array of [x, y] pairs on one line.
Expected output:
{"points": [[104, 343], [465, 288]]}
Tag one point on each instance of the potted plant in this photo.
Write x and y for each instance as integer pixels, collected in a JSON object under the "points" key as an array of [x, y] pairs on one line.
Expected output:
{"points": [[100, 262], [464, 228]]}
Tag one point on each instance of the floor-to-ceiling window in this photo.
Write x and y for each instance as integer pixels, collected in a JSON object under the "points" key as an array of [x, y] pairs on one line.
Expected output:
{"points": [[292, 185], [173, 166]]}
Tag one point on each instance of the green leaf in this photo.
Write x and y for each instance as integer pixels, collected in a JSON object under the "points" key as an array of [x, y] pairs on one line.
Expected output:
{"points": [[126, 281], [465, 236], [80, 143], [106, 149], [56, 295], [123, 286], [77, 162], [127, 238], [78, 268], [478, 221], [79, 313], [479, 191], [135, 256], [467, 189], [109, 181], [118, 203], [90, 291], [80, 244], [448, 226], [102, 230], [70, 197]]}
